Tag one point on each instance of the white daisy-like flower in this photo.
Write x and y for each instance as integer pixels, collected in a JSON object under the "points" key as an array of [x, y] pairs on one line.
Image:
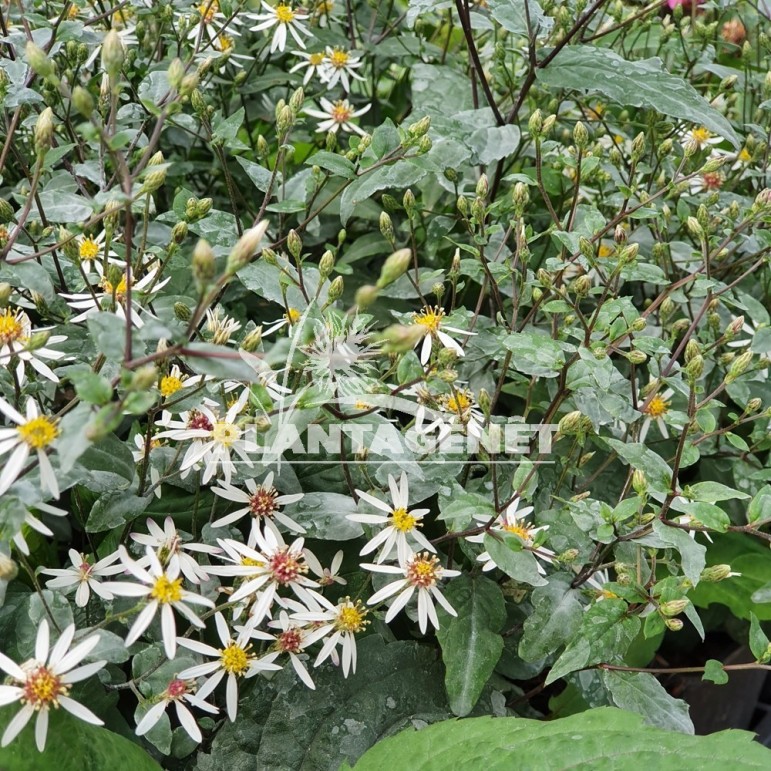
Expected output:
{"points": [[33, 433], [701, 136], [213, 440], [35, 524], [706, 183], [231, 557], [263, 504], [163, 590], [341, 622], [272, 565], [435, 330], [597, 581], [177, 692], [312, 63], [655, 411], [264, 376], [462, 410], [338, 66], [166, 542], [292, 639], [44, 681], [422, 573], [283, 17], [326, 576], [220, 328], [337, 115], [689, 519], [235, 659], [90, 249], [114, 297], [512, 520], [290, 318], [210, 21], [223, 47], [85, 575], [176, 381], [125, 26], [400, 524], [29, 346]]}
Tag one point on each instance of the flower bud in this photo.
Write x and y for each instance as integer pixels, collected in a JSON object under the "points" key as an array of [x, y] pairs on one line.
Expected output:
{"points": [[638, 147], [695, 367], [5, 293], [6, 212], [753, 405], [335, 290], [153, 181], [673, 607], [580, 136], [394, 267], [535, 124], [175, 73], [246, 247], [520, 198], [365, 295], [113, 54], [639, 482], [628, 254], [419, 128], [638, 325], [692, 349], [199, 105], [386, 227], [739, 366], [482, 186], [44, 131], [763, 199], [294, 244], [8, 568], [203, 264], [189, 84], [571, 423], [636, 357], [297, 99], [285, 120], [673, 624], [408, 201], [182, 311], [586, 247], [400, 338], [38, 61], [716, 573], [582, 285], [82, 101], [252, 341], [326, 264], [179, 232], [544, 278]]}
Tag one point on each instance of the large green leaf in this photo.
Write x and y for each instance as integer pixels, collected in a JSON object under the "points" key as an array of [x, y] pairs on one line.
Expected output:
{"points": [[471, 643], [597, 740], [640, 84], [72, 745]]}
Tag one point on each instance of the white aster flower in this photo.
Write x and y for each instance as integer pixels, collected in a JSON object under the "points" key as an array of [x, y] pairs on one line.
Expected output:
{"points": [[164, 592], [177, 692], [33, 522], [339, 65], [220, 328], [313, 64], [84, 575], [177, 381], [17, 339], [435, 330], [513, 521], [271, 566], [167, 544], [702, 137], [235, 659], [290, 318], [283, 17], [398, 520], [341, 622], [337, 115], [90, 249], [326, 576], [656, 410], [263, 504], [114, 298], [45, 680], [34, 432], [211, 21], [421, 573]]}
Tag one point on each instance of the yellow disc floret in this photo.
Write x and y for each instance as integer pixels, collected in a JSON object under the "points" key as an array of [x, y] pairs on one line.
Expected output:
{"points": [[236, 660], [403, 521], [166, 590], [38, 432]]}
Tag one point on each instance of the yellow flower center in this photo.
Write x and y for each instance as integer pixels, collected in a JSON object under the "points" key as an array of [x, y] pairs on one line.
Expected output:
{"points": [[208, 9], [72, 12], [658, 407], [351, 616], [88, 249], [169, 385], [339, 59], [423, 570], [122, 17], [166, 591], [700, 135], [608, 595], [224, 43], [284, 14], [235, 660], [12, 326], [522, 531], [605, 250], [118, 291], [43, 688], [341, 112], [225, 433], [362, 405], [315, 59], [430, 318], [293, 315], [39, 432], [249, 562], [459, 403], [403, 521], [744, 156], [3, 229]]}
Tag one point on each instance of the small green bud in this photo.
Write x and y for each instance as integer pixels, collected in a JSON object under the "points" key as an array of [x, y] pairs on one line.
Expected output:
{"points": [[175, 73], [408, 201], [8, 568], [38, 61], [182, 311], [753, 405], [638, 147], [450, 174], [6, 212], [82, 101], [628, 254], [580, 136], [335, 290], [581, 286], [520, 198], [544, 278], [586, 247], [692, 349], [395, 266], [673, 607], [153, 181], [203, 207], [619, 234], [297, 99], [571, 423], [5, 293], [695, 367], [179, 232], [294, 244], [639, 482], [203, 264], [245, 248], [386, 227], [285, 120], [44, 131], [252, 341], [716, 573], [482, 186], [419, 128], [739, 366], [535, 124], [269, 256], [673, 624], [636, 357], [199, 103], [326, 264], [365, 296], [189, 84], [638, 325], [113, 54], [37, 341]]}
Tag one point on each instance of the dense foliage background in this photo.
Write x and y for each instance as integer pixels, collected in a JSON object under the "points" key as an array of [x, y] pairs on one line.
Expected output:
{"points": [[408, 229]]}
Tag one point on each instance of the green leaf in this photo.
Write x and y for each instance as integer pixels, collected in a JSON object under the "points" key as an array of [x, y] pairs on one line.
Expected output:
{"points": [[91, 387], [115, 509], [521, 565], [108, 333], [691, 553], [323, 515], [60, 202], [226, 129], [641, 84], [471, 645], [109, 464], [708, 514], [712, 492], [714, 672], [639, 456], [760, 505], [556, 616], [759, 644], [600, 739], [72, 745], [337, 164], [642, 693], [605, 634], [259, 175], [535, 354], [494, 143], [510, 14]]}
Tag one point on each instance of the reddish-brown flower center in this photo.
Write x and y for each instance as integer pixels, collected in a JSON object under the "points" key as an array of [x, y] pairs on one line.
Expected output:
{"points": [[176, 689], [43, 688], [289, 641], [198, 420], [263, 502], [286, 566]]}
